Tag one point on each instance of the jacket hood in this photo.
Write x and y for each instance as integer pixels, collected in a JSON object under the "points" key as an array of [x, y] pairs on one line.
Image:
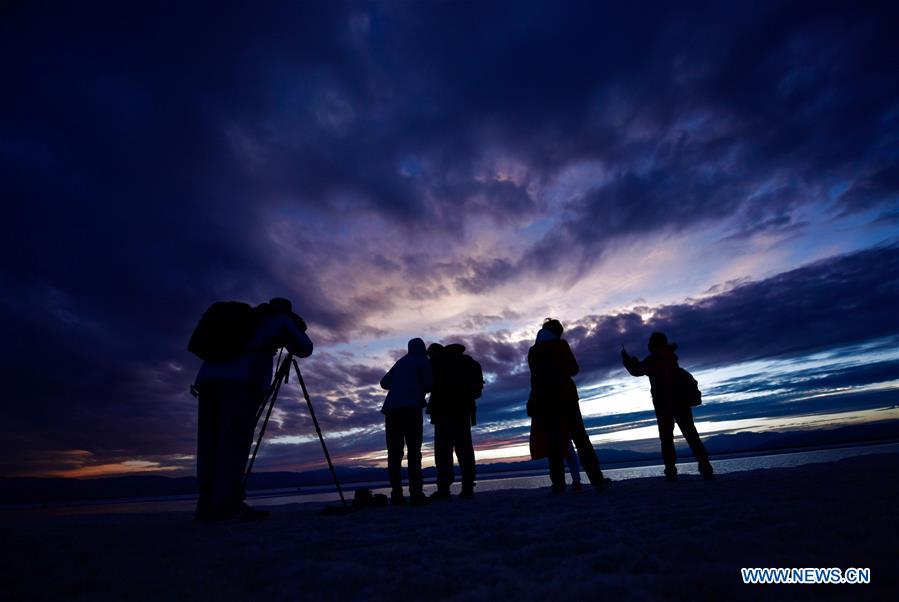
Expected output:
{"points": [[455, 348], [416, 345], [659, 342], [666, 355], [545, 335]]}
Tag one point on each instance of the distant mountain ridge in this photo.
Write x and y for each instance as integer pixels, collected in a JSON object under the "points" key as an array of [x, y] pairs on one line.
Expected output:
{"points": [[18, 490]]}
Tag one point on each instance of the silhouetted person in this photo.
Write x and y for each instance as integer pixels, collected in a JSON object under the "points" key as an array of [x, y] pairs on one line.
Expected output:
{"points": [[230, 392], [458, 382], [661, 367], [406, 383], [555, 404]]}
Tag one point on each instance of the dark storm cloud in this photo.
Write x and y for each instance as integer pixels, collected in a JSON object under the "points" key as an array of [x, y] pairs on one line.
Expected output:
{"points": [[878, 188], [817, 378], [835, 303], [147, 151], [832, 303], [484, 275]]}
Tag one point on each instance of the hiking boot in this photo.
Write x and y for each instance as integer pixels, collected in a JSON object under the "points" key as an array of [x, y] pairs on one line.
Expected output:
{"points": [[671, 475], [603, 484], [441, 495], [203, 513], [707, 472], [203, 517], [397, 499], [236, 513], [249, 513]]}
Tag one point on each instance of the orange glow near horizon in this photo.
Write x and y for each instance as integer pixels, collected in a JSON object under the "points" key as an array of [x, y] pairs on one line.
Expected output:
{"points": [[109, 470], [77, 463]]}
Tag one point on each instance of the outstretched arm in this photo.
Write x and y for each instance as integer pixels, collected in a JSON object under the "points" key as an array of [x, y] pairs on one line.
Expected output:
{"points": [[296, 339], [632, 364]]}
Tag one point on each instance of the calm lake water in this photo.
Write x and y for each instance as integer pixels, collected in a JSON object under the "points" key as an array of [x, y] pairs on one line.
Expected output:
{"points": [[531, 480], [520, 480]]}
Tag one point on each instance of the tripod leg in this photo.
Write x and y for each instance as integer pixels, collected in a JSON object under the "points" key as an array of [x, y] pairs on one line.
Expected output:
{"points": [[318, 430], [280, 377]]}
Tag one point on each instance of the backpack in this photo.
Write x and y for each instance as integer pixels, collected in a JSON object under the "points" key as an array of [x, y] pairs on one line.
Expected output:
{"points": [[474, 377], [224, 331], [686, 389]]}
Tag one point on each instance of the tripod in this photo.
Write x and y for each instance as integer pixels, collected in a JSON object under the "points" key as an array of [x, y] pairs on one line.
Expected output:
{"points": [[281, 377]]}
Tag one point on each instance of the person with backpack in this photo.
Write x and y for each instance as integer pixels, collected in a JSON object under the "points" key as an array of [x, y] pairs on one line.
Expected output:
{"points": [[554, 407], [406, 384], [458, 382], [237, 343], [671, 398]]}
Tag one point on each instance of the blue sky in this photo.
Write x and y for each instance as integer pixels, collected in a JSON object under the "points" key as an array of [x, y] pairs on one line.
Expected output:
{"points": [[455, 171]]}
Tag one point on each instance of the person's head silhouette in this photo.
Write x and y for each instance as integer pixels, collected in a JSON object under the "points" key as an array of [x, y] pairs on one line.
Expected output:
{"points": [[554, 326], [658, 343], [417, 346]]}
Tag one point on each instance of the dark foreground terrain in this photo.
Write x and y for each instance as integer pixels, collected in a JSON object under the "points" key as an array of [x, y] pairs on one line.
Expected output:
{"points": [[645, 539]]}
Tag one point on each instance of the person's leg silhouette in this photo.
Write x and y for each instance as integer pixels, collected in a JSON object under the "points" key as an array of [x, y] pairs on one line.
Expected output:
{"points": [[443, 456], [395, 445], [666, 436], [585, 451], [465, 454], [684, 420], [557, 436], [414, 434]]}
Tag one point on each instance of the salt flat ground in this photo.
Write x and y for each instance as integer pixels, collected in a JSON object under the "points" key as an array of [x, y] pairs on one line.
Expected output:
{"points": [[645, 539]]}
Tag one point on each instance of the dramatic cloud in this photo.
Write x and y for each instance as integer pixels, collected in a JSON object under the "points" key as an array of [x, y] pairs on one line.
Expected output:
{"points": [[402, 169], [832, 303]]}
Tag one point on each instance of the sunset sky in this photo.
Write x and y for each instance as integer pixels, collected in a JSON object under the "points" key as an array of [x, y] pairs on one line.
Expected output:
{"points": [[727, 173]]}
